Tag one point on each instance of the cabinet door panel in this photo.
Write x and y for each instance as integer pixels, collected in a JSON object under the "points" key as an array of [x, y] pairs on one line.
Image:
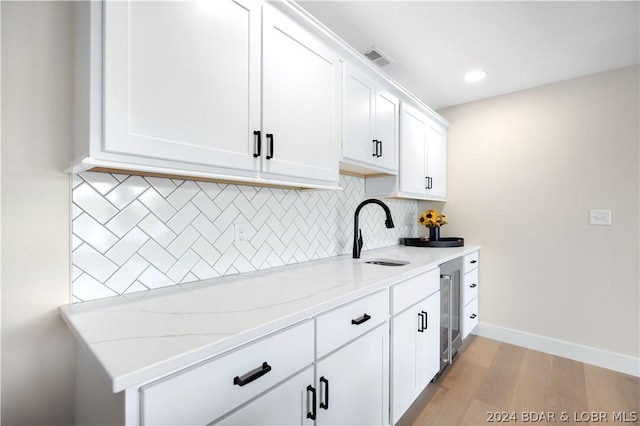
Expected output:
{"points": [[413, 152], [387, 129], [359, 117], [404, 332], [428, 344], [158, 103], [287, 404], [300, 101], [358, 376], [437, 160]]}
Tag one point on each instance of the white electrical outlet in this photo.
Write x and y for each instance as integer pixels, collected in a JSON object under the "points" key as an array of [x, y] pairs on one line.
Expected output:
{"points": [[600, 217], [242, 230]]}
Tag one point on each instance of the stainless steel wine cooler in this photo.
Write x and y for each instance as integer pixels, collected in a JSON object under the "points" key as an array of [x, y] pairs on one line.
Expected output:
{"points": [[450, 318]]}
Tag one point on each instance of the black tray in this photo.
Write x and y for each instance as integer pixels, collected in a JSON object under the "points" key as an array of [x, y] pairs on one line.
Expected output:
{"points": [[442, 242]]}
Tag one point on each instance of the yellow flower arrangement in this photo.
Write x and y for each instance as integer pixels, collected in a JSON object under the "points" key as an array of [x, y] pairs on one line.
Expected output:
{"points": [[431, 218]]}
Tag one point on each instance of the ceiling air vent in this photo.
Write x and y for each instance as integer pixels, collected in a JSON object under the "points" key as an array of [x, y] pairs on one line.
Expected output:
{"points": [[378, 57]]}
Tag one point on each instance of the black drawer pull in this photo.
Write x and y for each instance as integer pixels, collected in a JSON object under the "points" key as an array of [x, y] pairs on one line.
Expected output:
{"points": [[473, 285], [375, 148], [258, 143], [311, 414], [252, 375], [380, 153], [421, 326], [325, 404], [473, 261], [360, 320], [473, 316], [270, 140]]}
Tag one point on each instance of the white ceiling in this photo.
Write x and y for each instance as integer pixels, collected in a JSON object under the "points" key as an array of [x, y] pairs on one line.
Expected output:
{"points": [[521, 44]]}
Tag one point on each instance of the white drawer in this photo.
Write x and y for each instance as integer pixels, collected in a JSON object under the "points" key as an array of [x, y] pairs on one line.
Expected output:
{"points": [[200, 394], [471, 261], [343, 324], [470, 284], [470, 319], [408, 292]]}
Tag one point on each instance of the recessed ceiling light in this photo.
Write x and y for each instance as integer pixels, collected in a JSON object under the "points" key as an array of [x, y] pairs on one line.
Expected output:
{"points": [[475, 75]]}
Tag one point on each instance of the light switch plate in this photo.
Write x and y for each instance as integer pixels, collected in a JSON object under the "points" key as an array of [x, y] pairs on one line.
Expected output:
{"points": [[600, 217]]}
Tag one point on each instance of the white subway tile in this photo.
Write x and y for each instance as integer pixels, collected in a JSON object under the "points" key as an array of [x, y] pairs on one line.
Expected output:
{"points": [[89, 200], [127, 246], [157, 230], [157, 256], [101, 182], [124, 221], [93, 263], [152, 278], [127, 274], [93, 233], [158, 205], [127, 191]]}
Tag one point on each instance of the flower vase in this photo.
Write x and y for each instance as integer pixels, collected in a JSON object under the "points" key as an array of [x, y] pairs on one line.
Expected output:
{"points": [[434, 233]]}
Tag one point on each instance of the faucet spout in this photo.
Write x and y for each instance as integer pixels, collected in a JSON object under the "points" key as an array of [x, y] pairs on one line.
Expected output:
{"points": [[357, 233]]}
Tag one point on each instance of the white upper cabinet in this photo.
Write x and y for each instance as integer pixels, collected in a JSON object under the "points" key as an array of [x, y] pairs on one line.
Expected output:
{"points": [[423, 160], [222, 89], [301, 110], [181, 82], [370, 124]]}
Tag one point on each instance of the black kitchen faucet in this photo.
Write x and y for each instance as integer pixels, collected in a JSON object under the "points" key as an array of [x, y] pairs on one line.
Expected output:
{"points": [[357, 232]]}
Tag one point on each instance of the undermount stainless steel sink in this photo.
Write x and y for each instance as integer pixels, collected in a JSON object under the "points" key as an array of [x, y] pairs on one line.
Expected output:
{"points": [[387, 262]]}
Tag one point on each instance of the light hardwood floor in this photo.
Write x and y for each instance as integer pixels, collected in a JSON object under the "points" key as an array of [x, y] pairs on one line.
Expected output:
{"points": [[519, 384]]}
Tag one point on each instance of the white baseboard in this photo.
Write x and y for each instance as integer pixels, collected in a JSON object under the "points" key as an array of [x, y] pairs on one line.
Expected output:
{"points": [[601, 358]]}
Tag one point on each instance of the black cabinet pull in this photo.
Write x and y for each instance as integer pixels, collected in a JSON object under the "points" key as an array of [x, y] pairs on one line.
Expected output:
{"points": [[311, 414], [375, 148], [325, 404], [474, 261], [473, 285], [257, 144], [270, 141], [252, 375], [360, 320], [425, 325], [380, 151], [421, 326], [429, 182], [473, 316]]}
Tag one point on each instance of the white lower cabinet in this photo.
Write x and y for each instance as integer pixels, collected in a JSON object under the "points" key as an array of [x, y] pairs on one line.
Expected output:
{"points": [[470, 293], [415, 335], [353, 382], [290, 403]]}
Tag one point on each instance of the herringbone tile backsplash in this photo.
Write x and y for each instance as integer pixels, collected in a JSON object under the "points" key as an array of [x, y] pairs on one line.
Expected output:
{"points": [[133, 233]]}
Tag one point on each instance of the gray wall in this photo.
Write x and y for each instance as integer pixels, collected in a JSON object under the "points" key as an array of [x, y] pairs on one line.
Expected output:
{"points": [[524, 170], [38, 354]]}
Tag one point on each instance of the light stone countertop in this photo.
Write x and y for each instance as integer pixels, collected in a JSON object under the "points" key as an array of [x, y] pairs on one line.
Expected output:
{"points": [[139, 337]]}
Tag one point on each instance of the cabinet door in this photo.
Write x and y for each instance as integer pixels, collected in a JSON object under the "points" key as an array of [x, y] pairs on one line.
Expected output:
{"points": [[437, 160], [404, 332], [387, 115], [356, 390], [428, 345], [301, 101], [413, 144], [287, 404], [359, 113], [415, 352], [181, 81]]}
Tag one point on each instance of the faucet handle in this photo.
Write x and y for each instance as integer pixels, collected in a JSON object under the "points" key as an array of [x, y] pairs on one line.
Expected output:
{"points": [[360, 243]]}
